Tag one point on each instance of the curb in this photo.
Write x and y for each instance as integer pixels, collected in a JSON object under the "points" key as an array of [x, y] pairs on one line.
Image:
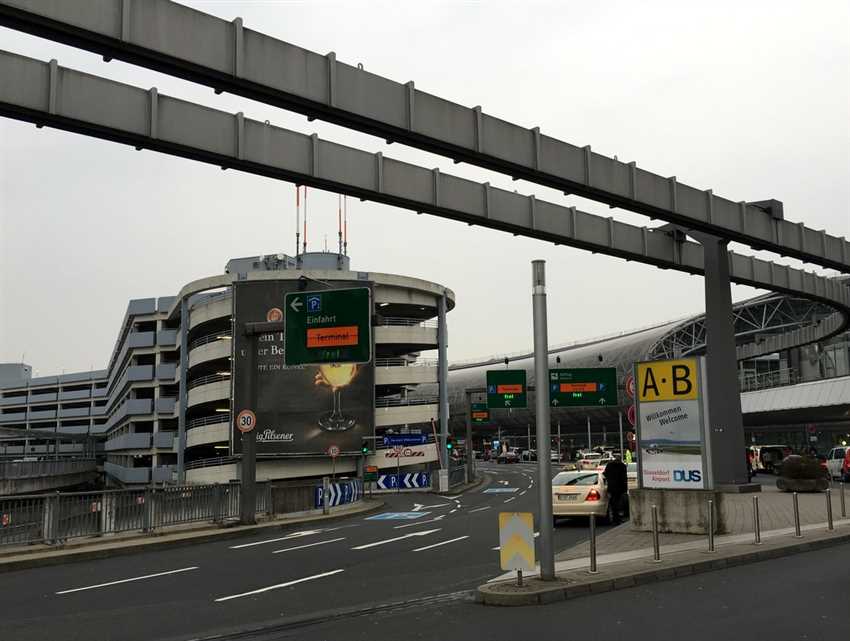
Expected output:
{"points": [[60, 555], [578, 583]]}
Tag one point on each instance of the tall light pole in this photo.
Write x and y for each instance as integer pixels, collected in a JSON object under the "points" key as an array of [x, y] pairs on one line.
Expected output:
{"points": [[544, 446]]}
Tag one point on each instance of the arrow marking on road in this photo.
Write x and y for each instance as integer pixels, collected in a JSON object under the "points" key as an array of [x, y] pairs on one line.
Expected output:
{"points": [[397, 538]]}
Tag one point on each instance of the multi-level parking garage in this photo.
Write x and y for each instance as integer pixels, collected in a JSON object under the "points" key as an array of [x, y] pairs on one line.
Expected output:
{"points": [[133, 406]]}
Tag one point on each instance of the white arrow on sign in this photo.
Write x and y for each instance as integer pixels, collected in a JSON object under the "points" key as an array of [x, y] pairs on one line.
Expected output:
{"points": [[296, 304], [398, 538]]}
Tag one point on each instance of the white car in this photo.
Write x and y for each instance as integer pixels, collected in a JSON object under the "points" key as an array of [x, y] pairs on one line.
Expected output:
{"points": [[835, 461]]}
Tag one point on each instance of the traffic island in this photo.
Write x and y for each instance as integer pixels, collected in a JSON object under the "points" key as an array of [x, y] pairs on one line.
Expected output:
{"points": [[625, 570]]}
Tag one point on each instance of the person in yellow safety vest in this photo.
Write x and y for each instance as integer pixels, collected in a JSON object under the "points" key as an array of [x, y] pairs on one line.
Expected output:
{"points": [[628, 456]]}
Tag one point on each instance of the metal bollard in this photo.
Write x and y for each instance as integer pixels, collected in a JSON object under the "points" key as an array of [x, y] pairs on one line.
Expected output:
{"points": [[593, 544], [326, 495], [756, 522], [797, 534], [710, 525], [829, 524], [843, 506], [656, 548]]}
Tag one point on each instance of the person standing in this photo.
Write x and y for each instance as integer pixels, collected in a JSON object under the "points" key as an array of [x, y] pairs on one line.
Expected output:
{"points": [[615, 476]]}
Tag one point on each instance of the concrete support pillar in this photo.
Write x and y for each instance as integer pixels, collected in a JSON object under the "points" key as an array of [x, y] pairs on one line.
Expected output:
{"points": [[443, 377], [184, 391], [725, 429]]}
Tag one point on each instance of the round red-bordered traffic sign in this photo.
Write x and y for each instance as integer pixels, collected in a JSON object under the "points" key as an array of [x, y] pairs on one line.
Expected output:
{"points": [[630, 385], [333, 451], [246, 420], [630, 414]]}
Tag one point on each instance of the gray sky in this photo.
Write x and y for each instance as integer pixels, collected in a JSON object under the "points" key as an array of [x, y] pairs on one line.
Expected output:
{"points": [[751, 99]]}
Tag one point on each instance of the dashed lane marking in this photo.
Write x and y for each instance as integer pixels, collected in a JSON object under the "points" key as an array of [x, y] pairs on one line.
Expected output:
{"points": [[135, 578], [278, 586], [309, 545]]}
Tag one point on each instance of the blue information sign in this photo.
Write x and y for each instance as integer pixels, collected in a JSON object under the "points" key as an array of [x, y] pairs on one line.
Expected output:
{"points": [[405, 439]]}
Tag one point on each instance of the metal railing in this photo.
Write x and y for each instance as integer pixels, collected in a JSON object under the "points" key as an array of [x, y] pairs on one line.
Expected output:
{"points": [[767, 380], [401, 402], [204, 380], [222, 417], [210, 338], [403, 362], [392, 321], [55, 518], [212, 462]]}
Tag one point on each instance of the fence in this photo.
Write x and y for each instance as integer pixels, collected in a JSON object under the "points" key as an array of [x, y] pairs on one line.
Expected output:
{"points": [[55, 518]]}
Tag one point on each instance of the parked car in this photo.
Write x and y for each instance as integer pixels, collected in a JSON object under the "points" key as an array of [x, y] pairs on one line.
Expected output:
{"points": [[592, 460], [770, 457], [580, 494], [835, 461], [528, 455], [508, 456]]}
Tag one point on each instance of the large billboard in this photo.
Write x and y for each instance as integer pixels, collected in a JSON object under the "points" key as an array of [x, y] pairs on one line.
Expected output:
{"points": [[300, 410], [670, 426]]}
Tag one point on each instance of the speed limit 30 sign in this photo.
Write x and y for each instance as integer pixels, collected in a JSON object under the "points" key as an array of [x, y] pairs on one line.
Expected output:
{"points": [[246, 420]]}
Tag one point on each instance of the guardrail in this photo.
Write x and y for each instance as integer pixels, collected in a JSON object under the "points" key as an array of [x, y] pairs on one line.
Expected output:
{"points": [[403, 362], [212, 462], [55, 518], [208, 420], [766, 380], [401, 402], [204, 380], [211, 338], [393, 321]]}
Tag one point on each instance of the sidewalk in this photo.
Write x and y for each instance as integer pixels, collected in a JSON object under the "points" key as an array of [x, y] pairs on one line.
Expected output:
{"points": [[625, 556], [776, 512], [39, 555]]}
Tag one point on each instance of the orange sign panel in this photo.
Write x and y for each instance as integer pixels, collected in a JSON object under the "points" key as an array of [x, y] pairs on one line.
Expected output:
{"points": [[332, 336], [483, 415], [509, 389], [578, 387]]}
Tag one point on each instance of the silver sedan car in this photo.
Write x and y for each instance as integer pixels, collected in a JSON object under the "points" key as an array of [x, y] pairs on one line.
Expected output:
{"points": [[580, 493]]}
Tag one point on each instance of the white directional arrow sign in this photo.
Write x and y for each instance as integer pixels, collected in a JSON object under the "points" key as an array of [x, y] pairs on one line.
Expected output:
{"points": [[398, 538], [296, 304]]}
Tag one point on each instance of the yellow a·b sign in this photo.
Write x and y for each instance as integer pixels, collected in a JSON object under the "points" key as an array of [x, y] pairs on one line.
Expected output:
{"points": [[667, 380]]}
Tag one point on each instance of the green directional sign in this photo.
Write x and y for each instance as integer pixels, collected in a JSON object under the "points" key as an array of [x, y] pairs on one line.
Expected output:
{"points": [[328, 326], [583, 387], [506, 388], [480, 413]]}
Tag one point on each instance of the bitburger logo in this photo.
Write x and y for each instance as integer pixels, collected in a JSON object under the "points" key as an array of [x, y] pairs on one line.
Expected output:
{"points": [[274, 315]]}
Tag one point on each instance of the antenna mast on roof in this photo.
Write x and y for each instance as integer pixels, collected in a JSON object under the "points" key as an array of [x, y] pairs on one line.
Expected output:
{"points": [[297, 219], [339, 221], [305, 219]]}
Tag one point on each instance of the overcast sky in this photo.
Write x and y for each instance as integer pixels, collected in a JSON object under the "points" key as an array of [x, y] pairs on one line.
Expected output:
{"points": [[750, 99]]}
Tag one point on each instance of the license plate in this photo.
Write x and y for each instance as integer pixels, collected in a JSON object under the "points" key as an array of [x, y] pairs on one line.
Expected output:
{"points": [[568, 497]]}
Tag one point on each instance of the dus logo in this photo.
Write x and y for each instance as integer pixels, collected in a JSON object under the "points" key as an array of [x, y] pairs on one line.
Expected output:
{"points": [[688, 476]]}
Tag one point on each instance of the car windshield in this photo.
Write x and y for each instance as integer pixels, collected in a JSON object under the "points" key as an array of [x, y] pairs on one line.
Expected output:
{"points": [[576, 478]]}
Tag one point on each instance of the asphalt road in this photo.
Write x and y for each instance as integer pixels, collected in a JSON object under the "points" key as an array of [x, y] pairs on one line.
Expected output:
{"points": [[359, 562], [804, 597]]}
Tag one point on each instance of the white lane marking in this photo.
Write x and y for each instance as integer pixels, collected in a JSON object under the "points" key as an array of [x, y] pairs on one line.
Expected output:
{"points": [[397, 538], [431, 507], [509, 500], [523, 492], [505, 482], [452, 498], [434, 520], [417, 507], [279, 585], [136, 578], [309, 545], [478, 509], [293, 535], [453, 511], [498, 547], [436, 545], [536, 534]]}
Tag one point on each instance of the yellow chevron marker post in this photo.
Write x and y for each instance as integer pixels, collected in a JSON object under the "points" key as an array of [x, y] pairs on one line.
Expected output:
{"points": [[516, 542]]}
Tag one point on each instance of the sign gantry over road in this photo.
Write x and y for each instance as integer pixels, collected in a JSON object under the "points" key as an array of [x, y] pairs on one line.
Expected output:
{"points": [[583, 387], [506, 388], [329, 326], [480, 413]]}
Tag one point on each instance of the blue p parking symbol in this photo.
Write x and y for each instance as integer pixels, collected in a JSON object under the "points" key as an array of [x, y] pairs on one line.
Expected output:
{"points": [[314, 303]]}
